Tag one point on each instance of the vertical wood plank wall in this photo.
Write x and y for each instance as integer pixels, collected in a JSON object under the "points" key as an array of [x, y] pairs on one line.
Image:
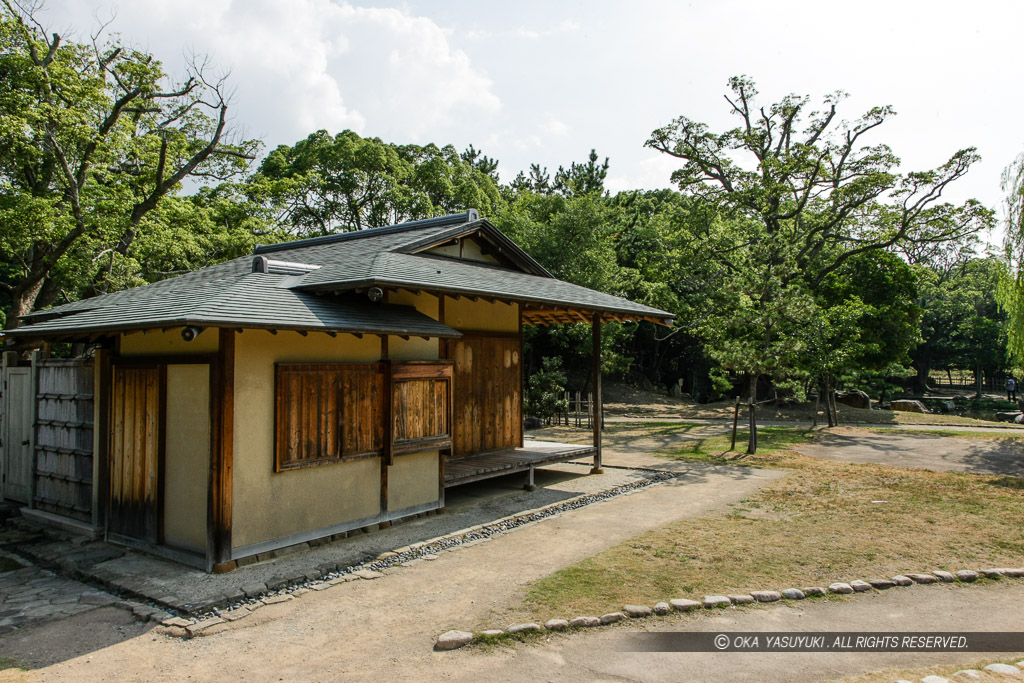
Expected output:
{"points": [[420, 408], [135, 452], [328, 411], [486, 388]]}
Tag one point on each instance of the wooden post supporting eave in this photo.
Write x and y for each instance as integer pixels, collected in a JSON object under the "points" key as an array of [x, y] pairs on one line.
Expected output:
{"points": [[595, 325], [222, 455]]}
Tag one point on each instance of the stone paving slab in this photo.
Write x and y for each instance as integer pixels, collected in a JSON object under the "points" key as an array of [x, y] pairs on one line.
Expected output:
{"points": [[32, 595]]}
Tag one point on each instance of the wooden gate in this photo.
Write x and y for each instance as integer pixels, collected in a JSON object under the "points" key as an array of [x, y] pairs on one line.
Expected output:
{"points": [[63, 444], [487, 393], [19, 418], [135, 452]]}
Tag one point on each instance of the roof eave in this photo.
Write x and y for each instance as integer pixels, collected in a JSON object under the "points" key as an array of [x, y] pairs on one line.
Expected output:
{"points": [[655, 315]]}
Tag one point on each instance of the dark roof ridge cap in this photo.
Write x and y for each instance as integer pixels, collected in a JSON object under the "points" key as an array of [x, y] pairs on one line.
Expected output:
{"points": [[454, 219]]}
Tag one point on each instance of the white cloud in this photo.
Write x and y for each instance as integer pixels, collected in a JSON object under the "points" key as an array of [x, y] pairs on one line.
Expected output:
{"points": [[554, 127], [302, 65], [652, 173]]}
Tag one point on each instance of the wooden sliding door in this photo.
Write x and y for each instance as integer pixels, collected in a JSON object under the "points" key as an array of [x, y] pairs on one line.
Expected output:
{"points": [[135, 451], [487, 393]]}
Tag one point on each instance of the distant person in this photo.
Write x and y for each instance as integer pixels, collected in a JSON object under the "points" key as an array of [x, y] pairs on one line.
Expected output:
{"points": [[1011, 389]]}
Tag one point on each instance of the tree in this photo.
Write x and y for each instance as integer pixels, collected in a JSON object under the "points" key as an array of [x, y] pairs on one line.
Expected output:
{"points": [[94, 137], [325, 184], [1010, 293], [808, 195], [962, 326]]}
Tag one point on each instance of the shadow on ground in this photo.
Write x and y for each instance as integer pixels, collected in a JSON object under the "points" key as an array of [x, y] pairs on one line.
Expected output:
{"points": [[64, 639], [922, 451]]}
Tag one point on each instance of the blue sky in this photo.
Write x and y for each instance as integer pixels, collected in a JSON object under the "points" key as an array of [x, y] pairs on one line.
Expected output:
{"points": [[545, 82]]}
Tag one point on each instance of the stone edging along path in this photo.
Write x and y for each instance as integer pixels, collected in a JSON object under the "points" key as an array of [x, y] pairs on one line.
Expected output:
{"points": [[452, 640]]}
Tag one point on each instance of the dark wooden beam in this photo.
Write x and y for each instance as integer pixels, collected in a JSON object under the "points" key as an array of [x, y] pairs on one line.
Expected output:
{"points": [[597, 402], [222, 448]]}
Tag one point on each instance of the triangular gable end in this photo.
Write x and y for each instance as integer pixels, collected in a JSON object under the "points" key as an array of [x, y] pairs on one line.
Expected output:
{"points": [[477, 242]]}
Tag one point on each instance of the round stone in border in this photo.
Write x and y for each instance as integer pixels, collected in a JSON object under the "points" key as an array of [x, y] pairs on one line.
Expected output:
{"points": [[793, 594], [944, 576], [556, 624], [967, 575], [684, 605], [901, 580], [860, 586], [711, 601], [922, 578], [813, 590], [612, 617], [741, 599], [662, 608], [585, 622], [637, 611], [453, 640], [1004, 669], [524, 628], [882, 584], [766, 596], [840, 588]]}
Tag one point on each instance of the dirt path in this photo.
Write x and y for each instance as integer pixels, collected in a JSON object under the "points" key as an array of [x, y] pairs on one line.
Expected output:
{"points": [[385, 629], [923, 451]]}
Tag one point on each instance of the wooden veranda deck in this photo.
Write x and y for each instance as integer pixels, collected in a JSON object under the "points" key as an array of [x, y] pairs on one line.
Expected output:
{"points": [[531, 455]]}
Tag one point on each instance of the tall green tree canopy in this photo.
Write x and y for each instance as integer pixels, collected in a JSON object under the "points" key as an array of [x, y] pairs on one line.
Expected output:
{"points": [[799, 193], [93, 137], [327, 184], [815, 181]]}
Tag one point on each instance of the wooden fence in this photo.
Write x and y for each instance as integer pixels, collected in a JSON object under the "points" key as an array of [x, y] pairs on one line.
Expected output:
{"points": [[580, 412], [47, 415]]}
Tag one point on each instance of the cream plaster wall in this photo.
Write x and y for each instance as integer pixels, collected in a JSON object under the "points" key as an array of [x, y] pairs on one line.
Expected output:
{"points": [[414, 348], [267, 504], [465, 249], [413, 480], [156, 342], [187, 456], [479, 315]]}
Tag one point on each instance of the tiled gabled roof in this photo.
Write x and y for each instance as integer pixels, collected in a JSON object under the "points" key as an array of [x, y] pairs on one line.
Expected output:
{"points": [[230, 294]]}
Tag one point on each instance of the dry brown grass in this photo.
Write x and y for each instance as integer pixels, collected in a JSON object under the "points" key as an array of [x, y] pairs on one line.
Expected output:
{"points": [[824, 522]]}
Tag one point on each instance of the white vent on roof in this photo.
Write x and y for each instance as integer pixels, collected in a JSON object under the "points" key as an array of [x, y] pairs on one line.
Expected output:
{"points": [[261, 264]]}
